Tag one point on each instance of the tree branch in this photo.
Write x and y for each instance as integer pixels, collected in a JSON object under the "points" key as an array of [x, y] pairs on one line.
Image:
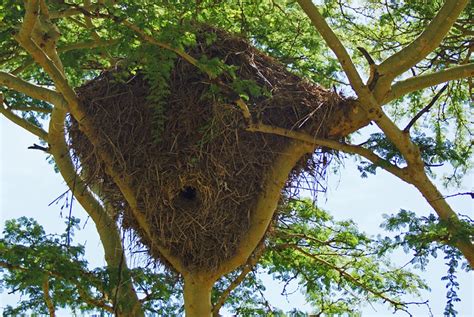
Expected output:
{"points": [[13, 82], [80, 287], [265, 205], [347, 148], [334, 43], [30, 108], [47, 298], [74, 106], [429, 40], [401, 88], [425, 109], [349, 277], [5, 110], [413, 174], [106, 227], [251, 262]]}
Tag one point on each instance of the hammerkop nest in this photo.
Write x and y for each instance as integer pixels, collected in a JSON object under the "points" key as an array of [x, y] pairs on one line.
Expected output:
{"points": [[199, 179]]}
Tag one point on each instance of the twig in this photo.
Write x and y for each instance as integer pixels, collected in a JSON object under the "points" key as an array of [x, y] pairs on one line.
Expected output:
{"points": [[425, 109], [38, 147]]}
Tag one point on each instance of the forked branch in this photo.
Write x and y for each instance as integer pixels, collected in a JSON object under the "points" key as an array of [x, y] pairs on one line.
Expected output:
{"points": [[428, 41]]}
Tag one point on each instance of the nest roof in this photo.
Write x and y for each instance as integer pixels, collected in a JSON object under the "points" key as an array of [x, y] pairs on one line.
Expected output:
{"points": [[199, 179]]}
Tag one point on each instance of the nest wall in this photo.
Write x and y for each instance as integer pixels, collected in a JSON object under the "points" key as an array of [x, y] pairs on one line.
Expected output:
{"points": [[197, 184]]}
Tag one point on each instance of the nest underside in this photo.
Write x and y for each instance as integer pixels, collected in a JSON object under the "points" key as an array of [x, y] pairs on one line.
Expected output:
{"points": [[198, 180]]}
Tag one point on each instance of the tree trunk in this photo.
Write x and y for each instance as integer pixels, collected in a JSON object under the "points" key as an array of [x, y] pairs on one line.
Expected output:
{"points": [[197, 295]]}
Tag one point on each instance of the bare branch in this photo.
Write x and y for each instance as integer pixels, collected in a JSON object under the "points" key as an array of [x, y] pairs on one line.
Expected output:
{"points": [[15, 83], [348, 148], [425, 109], [412, 84], [429, 40], [334, 43]]}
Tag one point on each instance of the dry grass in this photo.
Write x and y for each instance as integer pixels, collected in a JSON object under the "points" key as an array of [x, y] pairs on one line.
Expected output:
{"points": [[198, 184]]}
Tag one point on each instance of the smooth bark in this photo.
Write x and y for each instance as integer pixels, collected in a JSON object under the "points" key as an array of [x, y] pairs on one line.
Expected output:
{"points": [[197, 295]]}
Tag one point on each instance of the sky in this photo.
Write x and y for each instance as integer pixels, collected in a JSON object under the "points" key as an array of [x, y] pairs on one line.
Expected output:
{"points": [[28, 185]]}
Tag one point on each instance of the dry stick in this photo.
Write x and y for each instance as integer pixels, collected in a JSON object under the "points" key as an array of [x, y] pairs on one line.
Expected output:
{"points": [[425, 109]]}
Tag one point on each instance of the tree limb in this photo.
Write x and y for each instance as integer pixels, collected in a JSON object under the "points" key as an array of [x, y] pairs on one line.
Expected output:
{"points": [[5, 110], [333, 42], [429, 40], [251, 262], [30, 108], [74, 106], [47, 297], [15, 83], [106, 227], [401, 88], [265, 205], [347, 148]]}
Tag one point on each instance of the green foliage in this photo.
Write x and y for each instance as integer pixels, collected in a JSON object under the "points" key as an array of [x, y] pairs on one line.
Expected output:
{"points": [[336, 266], [434, 152], [426, 237], [28, 256]]}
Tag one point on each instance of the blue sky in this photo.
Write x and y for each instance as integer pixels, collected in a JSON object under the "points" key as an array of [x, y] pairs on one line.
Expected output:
{"points": [[28, 184]]}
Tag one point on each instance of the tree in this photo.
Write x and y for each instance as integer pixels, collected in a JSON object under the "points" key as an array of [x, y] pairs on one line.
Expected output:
{"points": [[50, 49]]}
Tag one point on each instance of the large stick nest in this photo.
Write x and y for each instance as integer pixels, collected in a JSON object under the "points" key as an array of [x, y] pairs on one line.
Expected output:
{"points": [[197, 182]]}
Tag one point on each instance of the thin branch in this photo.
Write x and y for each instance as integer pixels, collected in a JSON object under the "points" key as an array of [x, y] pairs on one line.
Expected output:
{"points": [[429, 40], [87, 45], [425, 109], [348, 148], [351, 278], [5, 110], [77, 283], [412, 84], [38, 147], [460, 194]]}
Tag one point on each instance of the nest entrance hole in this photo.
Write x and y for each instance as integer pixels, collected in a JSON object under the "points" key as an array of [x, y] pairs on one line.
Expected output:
{"points": [[188, 193]]}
